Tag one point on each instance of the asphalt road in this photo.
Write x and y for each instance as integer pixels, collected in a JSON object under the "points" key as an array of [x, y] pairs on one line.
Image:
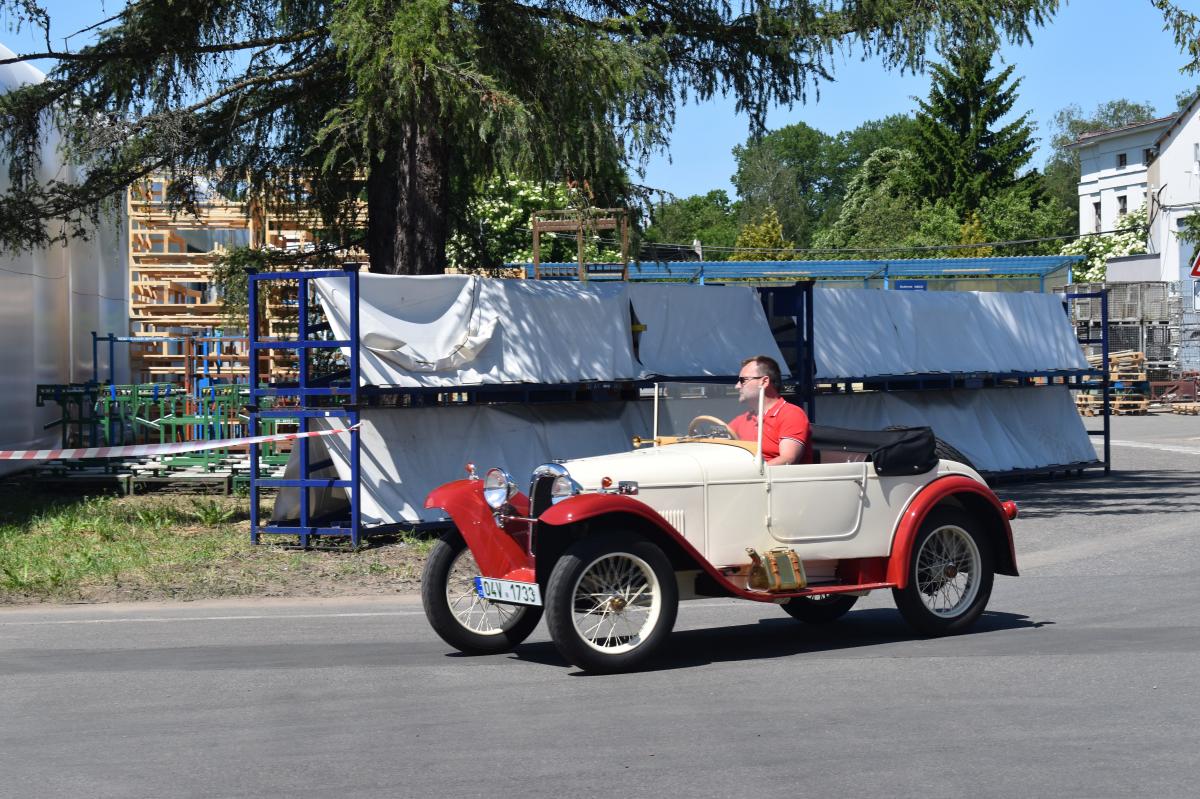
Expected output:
{"points": [[1081, 681]]}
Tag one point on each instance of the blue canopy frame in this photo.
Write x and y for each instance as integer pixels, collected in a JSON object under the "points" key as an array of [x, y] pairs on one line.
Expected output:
{"points": [[1024, 266]]}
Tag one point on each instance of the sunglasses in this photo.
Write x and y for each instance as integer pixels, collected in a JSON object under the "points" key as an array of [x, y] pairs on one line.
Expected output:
{"points": [[742, 380]]}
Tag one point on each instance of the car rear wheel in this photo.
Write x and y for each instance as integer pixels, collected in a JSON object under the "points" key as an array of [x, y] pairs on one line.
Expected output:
{"points": [[949, 576], [820, 608], [457, 613], [610, 602]]}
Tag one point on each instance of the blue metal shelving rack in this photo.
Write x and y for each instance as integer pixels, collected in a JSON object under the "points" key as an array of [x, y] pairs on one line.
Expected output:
{"points": [[319, 398], [1102, 373]]}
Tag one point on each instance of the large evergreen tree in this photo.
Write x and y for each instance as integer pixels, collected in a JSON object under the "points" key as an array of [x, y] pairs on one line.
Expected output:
{"points": [[410, 103], [964, 150]]}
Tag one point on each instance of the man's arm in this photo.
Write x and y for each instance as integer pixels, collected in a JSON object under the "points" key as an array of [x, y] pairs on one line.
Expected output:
{"points": [[790, 451]]}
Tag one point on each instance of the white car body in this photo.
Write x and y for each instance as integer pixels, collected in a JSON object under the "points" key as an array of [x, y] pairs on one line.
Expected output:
{"points": [[722, 501]]}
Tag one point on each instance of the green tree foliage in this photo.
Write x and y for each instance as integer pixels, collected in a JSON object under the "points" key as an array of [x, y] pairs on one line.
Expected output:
{"points": [[964, 151], [413, 103], [1185, 25], [762, 240], [1189, 232], [496, 227], [852, 148], [1021, 213], [804, 172], [786, 170], [881, 208], [1061, 176], [710, 218]]}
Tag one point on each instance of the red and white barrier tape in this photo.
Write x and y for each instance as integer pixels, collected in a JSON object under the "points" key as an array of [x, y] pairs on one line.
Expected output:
{"points": [[138, 450]]}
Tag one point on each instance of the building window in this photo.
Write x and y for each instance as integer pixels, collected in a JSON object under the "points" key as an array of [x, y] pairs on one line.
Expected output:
{"points": [[1121, 160], [1096, 211], [1148, 156], [1122, 205]]}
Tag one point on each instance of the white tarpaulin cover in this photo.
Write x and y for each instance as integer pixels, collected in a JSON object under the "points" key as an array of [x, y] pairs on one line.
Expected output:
{"points": [[406, 453], [693, 330], [998, 429], [453, 330], [50, 301], [871, 333]]}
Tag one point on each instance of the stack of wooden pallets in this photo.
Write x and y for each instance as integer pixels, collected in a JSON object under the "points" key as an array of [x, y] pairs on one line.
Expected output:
{"points": [[1128, 387]]}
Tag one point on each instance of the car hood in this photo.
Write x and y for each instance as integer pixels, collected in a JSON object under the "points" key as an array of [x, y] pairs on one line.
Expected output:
{"points": [[674, 465]]}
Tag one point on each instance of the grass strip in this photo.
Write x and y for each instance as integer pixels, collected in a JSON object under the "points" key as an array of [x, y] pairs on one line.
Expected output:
{"points": [[162, 546]]}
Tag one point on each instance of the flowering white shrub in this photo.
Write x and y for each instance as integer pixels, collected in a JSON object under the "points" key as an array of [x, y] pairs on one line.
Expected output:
{"points": [[1130, 239]]}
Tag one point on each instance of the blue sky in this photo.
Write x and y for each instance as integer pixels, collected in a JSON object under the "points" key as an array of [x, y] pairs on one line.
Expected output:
{"points": [[1093, 51]]}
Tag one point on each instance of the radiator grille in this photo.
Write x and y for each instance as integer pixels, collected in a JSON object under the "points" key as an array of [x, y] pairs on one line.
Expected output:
{"points": [[675, 518]]}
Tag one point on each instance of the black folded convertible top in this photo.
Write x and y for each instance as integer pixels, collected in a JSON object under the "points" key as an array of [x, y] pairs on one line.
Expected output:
{"points": [[906, 450]]}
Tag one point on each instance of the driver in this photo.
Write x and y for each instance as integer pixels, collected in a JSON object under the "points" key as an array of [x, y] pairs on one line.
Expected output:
{"points": [[785, 426]]}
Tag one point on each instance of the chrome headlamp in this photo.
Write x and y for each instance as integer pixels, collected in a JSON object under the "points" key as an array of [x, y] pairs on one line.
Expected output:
{"points": [[498, 488], [562, 487]]}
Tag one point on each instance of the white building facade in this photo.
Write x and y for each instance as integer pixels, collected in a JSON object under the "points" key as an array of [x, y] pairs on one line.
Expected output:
{"points": [[1114, 167], [1155, 163], [1174, 179]]}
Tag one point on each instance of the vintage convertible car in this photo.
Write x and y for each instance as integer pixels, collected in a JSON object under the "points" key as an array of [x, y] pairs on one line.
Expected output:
{"points": [[607, 546]]}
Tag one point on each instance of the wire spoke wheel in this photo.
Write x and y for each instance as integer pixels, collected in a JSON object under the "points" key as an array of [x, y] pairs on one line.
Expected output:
{"points": [[457, 613], [947, 568], [617, 601], [477, 614], [950, 574], [611, 601]]}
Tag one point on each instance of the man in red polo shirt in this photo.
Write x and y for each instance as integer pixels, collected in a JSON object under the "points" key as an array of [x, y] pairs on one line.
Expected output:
{"points": [[785, 426]]}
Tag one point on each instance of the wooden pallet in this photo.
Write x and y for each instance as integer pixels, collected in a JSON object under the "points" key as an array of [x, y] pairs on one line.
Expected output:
{"points": [[1126, 362], [1189, 408]]}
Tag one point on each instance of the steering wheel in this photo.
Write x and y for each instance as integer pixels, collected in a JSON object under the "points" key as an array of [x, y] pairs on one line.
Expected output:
{"points": [[709, 427]]}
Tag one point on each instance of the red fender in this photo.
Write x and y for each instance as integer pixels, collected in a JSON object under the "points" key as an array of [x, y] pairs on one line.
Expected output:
{"points": [[925, 501], [497, 554]]}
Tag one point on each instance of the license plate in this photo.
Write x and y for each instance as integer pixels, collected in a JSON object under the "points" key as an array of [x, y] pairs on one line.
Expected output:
{"points": [[508, 591]]}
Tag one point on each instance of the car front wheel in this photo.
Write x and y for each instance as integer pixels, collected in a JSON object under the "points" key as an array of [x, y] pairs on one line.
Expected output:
{"points": [[610, 602], [949, 577], [457, 613]]}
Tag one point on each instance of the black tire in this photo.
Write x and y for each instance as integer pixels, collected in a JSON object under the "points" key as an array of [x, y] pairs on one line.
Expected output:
{"points": [[452, 617], [821, 608], [947, 452], [949, 545], [603, 570]]}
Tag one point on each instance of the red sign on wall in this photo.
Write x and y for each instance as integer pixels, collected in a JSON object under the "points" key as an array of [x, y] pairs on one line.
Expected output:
{"points": [[1196, 266]]}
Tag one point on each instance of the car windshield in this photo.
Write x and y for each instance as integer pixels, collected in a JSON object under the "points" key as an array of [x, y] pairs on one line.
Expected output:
{"points": [[696, 410]]}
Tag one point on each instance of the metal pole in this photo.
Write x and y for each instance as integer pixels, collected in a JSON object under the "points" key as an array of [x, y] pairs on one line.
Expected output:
{"points": [[251, 340], [1104, 383], [355, 416]]}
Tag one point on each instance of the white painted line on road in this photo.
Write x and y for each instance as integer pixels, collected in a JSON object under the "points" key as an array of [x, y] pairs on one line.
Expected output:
{"points": [[1161, 447], [165, 619], [270, 617]]}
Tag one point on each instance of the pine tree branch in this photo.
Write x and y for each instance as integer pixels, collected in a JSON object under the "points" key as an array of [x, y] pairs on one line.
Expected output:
{"points": [[100, 54]]}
